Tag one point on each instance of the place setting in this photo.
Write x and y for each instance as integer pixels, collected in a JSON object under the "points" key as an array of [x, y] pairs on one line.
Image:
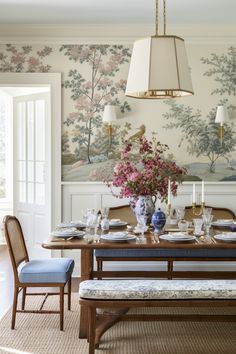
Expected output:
{"points": [[118, 237], [72, 224], [115, 223], [226, 237], [66, 234], [177, 237]]}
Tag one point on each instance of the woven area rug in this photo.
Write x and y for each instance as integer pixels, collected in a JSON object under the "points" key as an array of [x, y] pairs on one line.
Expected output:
{"points": [[36, 334]]}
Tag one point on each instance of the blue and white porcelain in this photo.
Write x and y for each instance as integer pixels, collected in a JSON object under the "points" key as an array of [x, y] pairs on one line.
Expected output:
{"points": [[143, 206], [158, 220]]}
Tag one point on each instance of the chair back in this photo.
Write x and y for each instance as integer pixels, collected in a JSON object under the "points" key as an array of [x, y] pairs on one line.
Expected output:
{"points": [[124, 213], [15, 242], [218, 213]]}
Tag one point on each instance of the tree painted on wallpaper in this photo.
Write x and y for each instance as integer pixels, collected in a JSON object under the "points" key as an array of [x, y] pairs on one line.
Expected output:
{"points": [[202, 133], [92, 92], [223, 69], [22, 59]]}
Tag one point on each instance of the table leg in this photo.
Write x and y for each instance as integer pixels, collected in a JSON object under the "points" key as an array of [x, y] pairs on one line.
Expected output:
{"points": [[86, 266]]}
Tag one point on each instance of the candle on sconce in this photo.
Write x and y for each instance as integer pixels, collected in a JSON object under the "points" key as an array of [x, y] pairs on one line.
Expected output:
{"points": [[194, 193], [203, 191], [169, 192]]}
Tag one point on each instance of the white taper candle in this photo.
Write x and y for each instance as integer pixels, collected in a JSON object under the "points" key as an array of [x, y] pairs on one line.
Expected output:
{"points": [[194, 193], [169, 192], [203, 192]]}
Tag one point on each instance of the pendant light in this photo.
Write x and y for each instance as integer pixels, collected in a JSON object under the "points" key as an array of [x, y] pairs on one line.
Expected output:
{"points": [[159, 66]]}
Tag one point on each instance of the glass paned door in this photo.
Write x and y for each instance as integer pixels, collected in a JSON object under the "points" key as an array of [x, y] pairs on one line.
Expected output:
{"points": [[32, 184]]}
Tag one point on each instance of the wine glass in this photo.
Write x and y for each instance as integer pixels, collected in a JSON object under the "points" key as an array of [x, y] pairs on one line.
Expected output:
{"points": [[105, 212], [180, 212], [207, 220], [207, 211]]}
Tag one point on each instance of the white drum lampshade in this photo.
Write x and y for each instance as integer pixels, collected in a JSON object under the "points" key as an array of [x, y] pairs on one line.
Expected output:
{"points": [[159, 65], [159, 68]]}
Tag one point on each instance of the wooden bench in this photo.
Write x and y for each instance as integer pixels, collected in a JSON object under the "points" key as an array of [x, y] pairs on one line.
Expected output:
{"points": [[121, 294]]}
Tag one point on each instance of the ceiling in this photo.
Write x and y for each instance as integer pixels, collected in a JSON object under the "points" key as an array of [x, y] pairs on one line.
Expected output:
{"points": [[117, 12]]}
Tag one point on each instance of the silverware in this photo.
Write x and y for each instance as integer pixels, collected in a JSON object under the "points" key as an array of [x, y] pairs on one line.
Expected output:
{"points": [[156, 238]]}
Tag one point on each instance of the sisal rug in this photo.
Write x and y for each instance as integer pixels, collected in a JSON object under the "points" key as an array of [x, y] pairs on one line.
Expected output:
{"points": [[40, 334]]}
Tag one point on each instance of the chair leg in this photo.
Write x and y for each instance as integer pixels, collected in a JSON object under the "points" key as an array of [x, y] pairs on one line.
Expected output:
{"points": [[23, 298], [69, 294], [170, 269], [92, 329], [61, 308], [99, 267], [14, 308]]}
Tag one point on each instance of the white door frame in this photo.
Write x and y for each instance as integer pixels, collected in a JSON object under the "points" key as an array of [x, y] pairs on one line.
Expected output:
{"points": [[54, 81]]}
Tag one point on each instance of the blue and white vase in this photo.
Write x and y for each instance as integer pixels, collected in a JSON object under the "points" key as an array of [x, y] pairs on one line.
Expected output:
{"points": [[143, 206], [158, 220]]}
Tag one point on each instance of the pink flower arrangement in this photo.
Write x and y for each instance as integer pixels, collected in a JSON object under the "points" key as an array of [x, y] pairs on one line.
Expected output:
{"points": [[143, 170]]}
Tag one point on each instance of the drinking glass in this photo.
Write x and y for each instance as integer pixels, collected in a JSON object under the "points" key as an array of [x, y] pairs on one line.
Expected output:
{"points": [[207, 211], [142, 221], [180, 212], [197, 226], [207, 220], [105, 212], [92, 220]]}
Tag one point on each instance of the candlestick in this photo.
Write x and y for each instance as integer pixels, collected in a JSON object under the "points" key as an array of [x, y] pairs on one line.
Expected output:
{"points": [[194, 209], [202, 191], [169, 192], [194, 193]]}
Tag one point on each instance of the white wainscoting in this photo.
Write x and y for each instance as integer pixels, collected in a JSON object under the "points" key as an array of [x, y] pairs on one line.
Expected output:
{"points": [[77, 196]]}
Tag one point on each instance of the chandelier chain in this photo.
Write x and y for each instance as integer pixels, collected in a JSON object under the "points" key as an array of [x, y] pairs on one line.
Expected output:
{"points": [[157, 17], [164, 16]]}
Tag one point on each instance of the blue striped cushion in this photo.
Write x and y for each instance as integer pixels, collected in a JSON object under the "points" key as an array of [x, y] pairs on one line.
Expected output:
{"points": [[55, 270]]}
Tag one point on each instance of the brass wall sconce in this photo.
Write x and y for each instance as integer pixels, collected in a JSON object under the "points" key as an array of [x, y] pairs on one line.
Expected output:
{"points": [[109, 117]]}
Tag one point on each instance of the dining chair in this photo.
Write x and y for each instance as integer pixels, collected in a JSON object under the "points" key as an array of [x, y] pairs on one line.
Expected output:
{"points": [[158, 255], [217, 212], [45, 273]]}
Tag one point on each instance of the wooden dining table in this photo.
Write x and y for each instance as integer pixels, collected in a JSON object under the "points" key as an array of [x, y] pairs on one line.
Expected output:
{"points": [[151, 241]]}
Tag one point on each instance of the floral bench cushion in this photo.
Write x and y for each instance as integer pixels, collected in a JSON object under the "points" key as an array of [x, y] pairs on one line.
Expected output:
{"points": [[157, 289]]}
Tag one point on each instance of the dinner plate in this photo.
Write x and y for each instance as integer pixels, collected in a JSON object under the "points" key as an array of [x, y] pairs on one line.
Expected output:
{"points": [[118, 237], [230, 237], [118, 224], [77, 224], [67, 234], [223, 222], [176, 238]]}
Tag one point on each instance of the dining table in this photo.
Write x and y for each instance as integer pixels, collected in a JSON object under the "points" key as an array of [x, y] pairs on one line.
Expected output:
{"points": [[150, 241]]}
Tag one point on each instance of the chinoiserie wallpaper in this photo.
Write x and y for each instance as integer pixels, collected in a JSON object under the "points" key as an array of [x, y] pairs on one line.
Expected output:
{"points": [[95, 75]]}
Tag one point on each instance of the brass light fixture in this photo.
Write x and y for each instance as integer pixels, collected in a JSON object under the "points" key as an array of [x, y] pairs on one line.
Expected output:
{"points": [[109, 117], [221, 117], [159, 66]]}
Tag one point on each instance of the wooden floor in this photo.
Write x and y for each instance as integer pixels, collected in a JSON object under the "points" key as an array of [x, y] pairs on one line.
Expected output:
{"points": [[6, 282]]}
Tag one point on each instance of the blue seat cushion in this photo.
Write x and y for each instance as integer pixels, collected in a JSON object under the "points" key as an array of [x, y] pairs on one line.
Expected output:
{"points": [[165, 253], [55, 270]]}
